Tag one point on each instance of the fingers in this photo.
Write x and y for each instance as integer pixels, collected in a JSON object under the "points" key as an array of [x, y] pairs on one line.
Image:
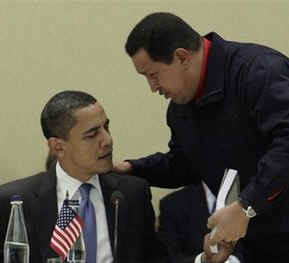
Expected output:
{"points": [[217, 236], [232, 239], [214, 237], [206, 247], [228, 245], [224, 250], [211, 222], [122, 167]]}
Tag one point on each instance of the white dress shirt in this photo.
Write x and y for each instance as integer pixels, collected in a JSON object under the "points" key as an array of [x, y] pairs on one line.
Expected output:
{"points": [[67, 183], [211, 202]]}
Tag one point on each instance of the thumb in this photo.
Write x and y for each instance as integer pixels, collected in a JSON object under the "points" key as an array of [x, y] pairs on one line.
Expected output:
{"points": [[214, 237], [211, 222], [122, 167], [118, 168]]}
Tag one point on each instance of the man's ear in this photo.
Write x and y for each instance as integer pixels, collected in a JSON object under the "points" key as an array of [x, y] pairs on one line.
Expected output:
{"points": [[183, 55], [56, 146]]}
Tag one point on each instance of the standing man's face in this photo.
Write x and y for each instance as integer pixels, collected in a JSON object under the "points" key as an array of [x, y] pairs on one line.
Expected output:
{"points": [[177, 81], [88, 149]]}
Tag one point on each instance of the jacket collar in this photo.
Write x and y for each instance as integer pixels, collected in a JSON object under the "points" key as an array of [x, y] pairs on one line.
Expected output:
{"points": [[215, 77], [109, 183], [44, 206]]}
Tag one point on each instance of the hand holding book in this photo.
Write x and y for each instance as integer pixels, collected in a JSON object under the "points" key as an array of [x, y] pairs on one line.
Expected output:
{"points": [[231, 224], [228, 193]]}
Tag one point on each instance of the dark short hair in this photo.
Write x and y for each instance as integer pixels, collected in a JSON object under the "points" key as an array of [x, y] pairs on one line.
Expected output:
{"points": [[160, 34], [57, 117]]}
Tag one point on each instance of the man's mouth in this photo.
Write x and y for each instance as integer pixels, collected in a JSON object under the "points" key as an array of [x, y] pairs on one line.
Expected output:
{"points": [[105, 156], [166, 95]]}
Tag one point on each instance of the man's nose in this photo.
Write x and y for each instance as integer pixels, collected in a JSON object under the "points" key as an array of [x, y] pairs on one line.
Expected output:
{"points": [[153, 83], [154, 88], [106, 140]]}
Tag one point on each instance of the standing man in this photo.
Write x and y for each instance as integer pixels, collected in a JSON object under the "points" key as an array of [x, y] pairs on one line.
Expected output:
{"points": [[77, 131], [229, 108]]}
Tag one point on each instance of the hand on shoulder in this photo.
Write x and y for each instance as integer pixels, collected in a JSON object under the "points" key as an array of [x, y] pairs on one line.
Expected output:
{"points": [[122, 167]]}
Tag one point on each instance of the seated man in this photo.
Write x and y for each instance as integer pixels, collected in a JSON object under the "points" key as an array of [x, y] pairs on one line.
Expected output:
{"points": [[183, 225], [77, 131]]}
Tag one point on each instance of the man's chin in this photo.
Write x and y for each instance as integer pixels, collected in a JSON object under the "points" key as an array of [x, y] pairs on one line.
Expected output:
{"points": [[105, 169], [181, 100]]}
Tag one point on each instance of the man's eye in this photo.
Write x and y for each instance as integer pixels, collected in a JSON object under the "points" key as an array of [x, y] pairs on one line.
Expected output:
{"points": [[91, 135], [150, 75]]}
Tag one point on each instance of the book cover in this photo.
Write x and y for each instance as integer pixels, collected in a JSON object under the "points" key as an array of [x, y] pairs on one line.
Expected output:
{"points": [[228, 193]]}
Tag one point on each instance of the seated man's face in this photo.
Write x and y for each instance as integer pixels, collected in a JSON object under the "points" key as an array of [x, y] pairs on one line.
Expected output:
{"points": [[88, 149]]}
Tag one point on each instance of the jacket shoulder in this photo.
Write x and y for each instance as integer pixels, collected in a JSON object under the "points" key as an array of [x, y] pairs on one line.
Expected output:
{"points": [[22, 185], [127, 179]]}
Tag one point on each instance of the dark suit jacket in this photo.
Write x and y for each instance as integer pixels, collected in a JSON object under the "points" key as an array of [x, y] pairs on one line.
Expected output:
{"points": [[137, 241], [183, 224]]}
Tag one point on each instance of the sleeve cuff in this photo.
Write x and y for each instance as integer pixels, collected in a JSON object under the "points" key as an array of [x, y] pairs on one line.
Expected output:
{"points": [[254, 197], [232, 259], [198, 258]]}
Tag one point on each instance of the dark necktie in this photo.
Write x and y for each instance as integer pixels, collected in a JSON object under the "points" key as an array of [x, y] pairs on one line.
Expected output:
{"points": [[87, 213]]}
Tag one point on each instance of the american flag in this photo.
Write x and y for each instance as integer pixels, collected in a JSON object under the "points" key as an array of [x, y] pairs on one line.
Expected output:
{"points": [[67, 229]]}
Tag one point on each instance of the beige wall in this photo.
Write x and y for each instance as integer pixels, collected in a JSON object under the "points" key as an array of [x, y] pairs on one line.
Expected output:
{"points": [[49, 46]]}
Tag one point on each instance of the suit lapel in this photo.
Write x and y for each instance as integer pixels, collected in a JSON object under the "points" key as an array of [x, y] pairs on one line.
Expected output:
{"points": [[110, 183], [44, 207]]}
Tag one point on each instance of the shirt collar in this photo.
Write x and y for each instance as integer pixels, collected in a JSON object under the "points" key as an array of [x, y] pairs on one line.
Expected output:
{"points": [[206, 50], [68, 183]]}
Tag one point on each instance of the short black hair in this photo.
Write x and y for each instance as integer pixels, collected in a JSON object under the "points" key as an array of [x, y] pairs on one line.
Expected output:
{"points": [[160, 34], [57, 115]]}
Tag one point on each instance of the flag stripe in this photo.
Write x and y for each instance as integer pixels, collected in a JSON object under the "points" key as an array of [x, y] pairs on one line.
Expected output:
{"points": [[70, 233], [58, 249], [61, 241], [66, 238], [78, 222], [57, 244], [73, 229]]}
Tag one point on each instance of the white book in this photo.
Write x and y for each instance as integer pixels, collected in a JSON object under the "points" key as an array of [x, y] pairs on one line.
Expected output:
{"points": [[228, 193]]}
